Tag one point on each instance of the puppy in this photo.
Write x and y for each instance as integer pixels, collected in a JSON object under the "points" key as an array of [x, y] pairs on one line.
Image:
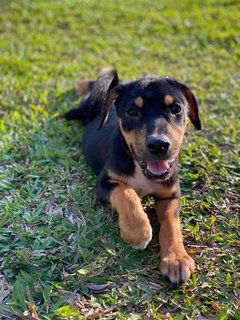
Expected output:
{"points": [[132, 137]]}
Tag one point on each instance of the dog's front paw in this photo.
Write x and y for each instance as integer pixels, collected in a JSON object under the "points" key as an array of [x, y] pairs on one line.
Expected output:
{"points": [[138, 236], [142, 245], [177, 267]]}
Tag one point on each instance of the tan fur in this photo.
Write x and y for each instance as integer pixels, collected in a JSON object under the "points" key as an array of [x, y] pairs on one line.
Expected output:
{"points": [[135, 139], [139, 102], [133, 221], [82, 87], [106, 70], [176, 136], [175, 263], [168, 100], [130, 137], [142, 185]]}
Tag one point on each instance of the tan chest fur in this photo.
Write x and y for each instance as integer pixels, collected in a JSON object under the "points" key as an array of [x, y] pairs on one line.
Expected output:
{"points": [[141, 184]]}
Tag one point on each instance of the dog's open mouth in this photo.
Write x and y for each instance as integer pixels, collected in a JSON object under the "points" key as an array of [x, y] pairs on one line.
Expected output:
{"points": [[158, 169]]}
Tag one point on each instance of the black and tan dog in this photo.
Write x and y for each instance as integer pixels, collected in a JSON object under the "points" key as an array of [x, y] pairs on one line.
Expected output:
{"points": [[132, 137]]}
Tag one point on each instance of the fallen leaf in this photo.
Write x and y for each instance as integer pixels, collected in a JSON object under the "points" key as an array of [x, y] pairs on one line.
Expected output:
{"points": [[215, 307], [99, 288]]}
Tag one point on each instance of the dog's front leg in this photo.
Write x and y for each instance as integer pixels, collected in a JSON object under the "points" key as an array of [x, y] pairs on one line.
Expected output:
{"points": [[176, 264], [133, 221]]}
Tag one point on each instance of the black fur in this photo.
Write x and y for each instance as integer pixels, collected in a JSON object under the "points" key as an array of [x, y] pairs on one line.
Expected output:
{"points": [[106, 149]]}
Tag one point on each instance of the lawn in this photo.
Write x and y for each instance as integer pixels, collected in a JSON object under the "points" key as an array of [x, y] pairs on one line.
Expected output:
{"points": [[61, 255]]}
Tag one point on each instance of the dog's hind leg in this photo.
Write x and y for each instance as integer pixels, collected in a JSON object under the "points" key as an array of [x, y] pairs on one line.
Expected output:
{"points": [[79, 113], [85, 86], [96, 92]]}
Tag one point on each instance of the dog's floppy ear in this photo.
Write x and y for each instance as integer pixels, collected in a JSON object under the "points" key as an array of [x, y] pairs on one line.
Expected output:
{"points": [[107, 80], [193, 107], [108, 102]]}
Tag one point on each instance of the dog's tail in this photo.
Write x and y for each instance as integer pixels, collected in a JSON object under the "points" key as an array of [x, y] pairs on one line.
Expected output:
{"points": [[95, 92]]}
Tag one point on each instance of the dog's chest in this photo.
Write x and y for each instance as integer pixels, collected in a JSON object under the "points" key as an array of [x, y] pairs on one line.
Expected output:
{"points": [[141, 184]]}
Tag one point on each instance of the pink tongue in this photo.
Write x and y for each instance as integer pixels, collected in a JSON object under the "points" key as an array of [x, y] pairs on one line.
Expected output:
{"points": [[158, 167]]}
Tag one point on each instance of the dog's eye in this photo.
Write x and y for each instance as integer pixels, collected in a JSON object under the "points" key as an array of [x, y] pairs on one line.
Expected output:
{"points": [[175, 108], [132, 112]]}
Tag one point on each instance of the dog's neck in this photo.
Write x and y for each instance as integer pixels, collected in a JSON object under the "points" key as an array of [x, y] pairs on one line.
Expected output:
{"points": [[129, 153]]}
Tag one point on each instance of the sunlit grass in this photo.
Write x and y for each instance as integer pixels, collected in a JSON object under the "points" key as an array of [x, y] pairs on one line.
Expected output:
{"points": [[61, 255]]}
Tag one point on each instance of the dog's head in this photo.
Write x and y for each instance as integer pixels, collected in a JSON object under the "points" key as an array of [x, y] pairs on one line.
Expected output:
{"points": [[152, 116]]}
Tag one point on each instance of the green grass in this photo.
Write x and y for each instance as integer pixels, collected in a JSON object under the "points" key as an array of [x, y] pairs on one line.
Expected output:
{"points": [[61, 255]]}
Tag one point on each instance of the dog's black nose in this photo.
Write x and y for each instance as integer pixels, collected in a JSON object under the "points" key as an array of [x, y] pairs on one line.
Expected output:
{"points": [[158, 144]]}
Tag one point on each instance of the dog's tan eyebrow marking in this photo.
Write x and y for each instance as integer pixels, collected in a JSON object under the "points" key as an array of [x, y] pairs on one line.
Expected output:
{"points": [[138, 102], [168, 100]]}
